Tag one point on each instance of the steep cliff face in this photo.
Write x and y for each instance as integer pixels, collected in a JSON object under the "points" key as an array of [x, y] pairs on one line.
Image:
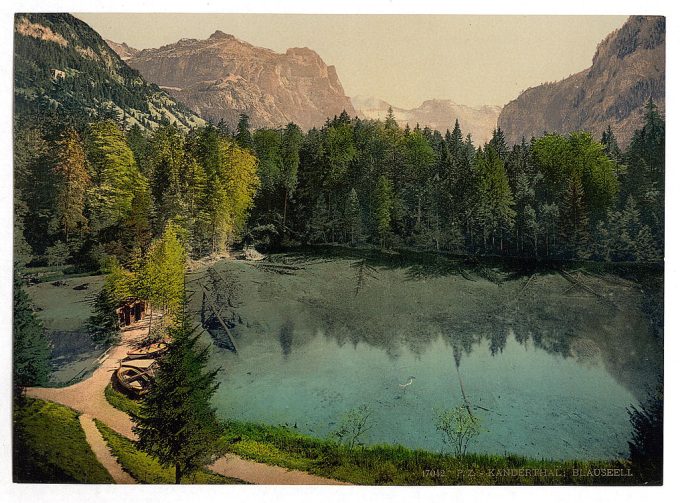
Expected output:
{"points": [[222, 77], [628, 68], [63, 65], [436, 114]]}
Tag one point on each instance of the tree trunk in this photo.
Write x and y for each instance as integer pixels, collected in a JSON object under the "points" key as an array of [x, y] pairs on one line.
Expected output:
{"points": [[285, 207], [178, 474], [150, 318]]}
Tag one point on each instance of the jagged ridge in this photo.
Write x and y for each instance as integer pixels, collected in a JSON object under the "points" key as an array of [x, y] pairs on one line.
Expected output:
{"points": [[222, 77]]}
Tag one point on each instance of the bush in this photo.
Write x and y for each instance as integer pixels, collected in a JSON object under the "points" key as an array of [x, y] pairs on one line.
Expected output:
{"points": [[458, 427], [353, 425], [57, 254]]}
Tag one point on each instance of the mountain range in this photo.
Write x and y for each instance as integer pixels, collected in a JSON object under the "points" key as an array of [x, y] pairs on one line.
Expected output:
{"points": [[63, 65], [60, 63], [628, 69], [222, 77], [435, 114]]}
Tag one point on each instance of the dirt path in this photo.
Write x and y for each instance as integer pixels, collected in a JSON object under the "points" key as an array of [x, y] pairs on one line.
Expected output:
{"points": [[102, 452], [259, 473], [87, 397]]}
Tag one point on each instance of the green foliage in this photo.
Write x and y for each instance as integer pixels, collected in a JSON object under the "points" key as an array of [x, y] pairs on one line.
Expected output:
{"points": [[114, 175], [31, 352], [72, 184], [352, 215], [177, 424], [574, 220], [383, 208], [57, 254], [495, 214], [118, 286], [646, 447], [354, 424], [243, 136], [145, 469], [161, 278], [50, 446], [458, 427]]}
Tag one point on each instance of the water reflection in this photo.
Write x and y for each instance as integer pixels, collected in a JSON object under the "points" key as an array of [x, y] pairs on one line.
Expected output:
{"points": [[286, 337], [400, 304]]}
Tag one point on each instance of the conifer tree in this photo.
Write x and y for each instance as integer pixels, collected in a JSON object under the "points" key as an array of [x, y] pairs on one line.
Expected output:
{"points": [[611, 146], [290, 155], [177, 423], [574, 220], [163, 272], [243, 136], [73, 182], [353, 217], [383, 211], [31, 355]]}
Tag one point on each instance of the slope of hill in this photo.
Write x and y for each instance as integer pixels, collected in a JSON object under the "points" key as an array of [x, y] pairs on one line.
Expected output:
{"points": [[222, 77], [628, 68], [61, 64], [437, 114]]}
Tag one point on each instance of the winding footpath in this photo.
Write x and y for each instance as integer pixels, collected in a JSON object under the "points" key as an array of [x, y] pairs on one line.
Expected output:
{"points": [[87, 397]]}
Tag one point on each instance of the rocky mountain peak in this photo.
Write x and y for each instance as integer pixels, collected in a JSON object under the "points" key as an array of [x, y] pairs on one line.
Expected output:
{"points": [[222, 77], [628, 68]]}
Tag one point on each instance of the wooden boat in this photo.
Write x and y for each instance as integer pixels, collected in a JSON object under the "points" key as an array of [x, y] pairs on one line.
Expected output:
{"points": [[151, 351], [136, 376]]}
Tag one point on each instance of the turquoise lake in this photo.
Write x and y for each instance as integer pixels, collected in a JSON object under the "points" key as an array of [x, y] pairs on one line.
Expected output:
{"points": [[548, 367]]}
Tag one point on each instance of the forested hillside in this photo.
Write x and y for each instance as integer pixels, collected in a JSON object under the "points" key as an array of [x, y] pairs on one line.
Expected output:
{"points": [[89, 193], [63, 67]]}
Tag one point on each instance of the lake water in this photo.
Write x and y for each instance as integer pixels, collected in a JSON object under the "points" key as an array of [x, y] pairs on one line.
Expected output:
{"points": [[549, 367]]}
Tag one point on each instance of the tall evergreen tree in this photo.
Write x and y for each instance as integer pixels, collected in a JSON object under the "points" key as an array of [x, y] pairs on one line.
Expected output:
{"points": [[290, 155], [31, 352], [611, 146], [177, 423], [73, 183], [384, 199], [114, 175], [243, 136], [574, 220], [353, 217]]}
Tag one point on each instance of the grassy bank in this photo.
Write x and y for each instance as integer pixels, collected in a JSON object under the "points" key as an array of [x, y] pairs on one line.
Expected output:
{"points": [[145, 469], [396, 465], [50, 446]]}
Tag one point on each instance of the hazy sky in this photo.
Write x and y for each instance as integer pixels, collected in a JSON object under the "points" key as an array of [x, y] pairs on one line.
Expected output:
{"points": [[403, 59]]}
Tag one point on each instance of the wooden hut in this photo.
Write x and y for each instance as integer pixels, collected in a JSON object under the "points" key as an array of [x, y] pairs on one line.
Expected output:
{"points": [[131, 310]]}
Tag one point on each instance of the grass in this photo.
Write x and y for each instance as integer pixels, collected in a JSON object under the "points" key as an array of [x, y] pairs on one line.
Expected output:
{"points": [[147, 470], [50, 446], [122, 402], [396, 465]]}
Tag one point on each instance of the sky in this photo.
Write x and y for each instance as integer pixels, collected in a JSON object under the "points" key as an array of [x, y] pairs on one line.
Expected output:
{"points": [[403, 59]]}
